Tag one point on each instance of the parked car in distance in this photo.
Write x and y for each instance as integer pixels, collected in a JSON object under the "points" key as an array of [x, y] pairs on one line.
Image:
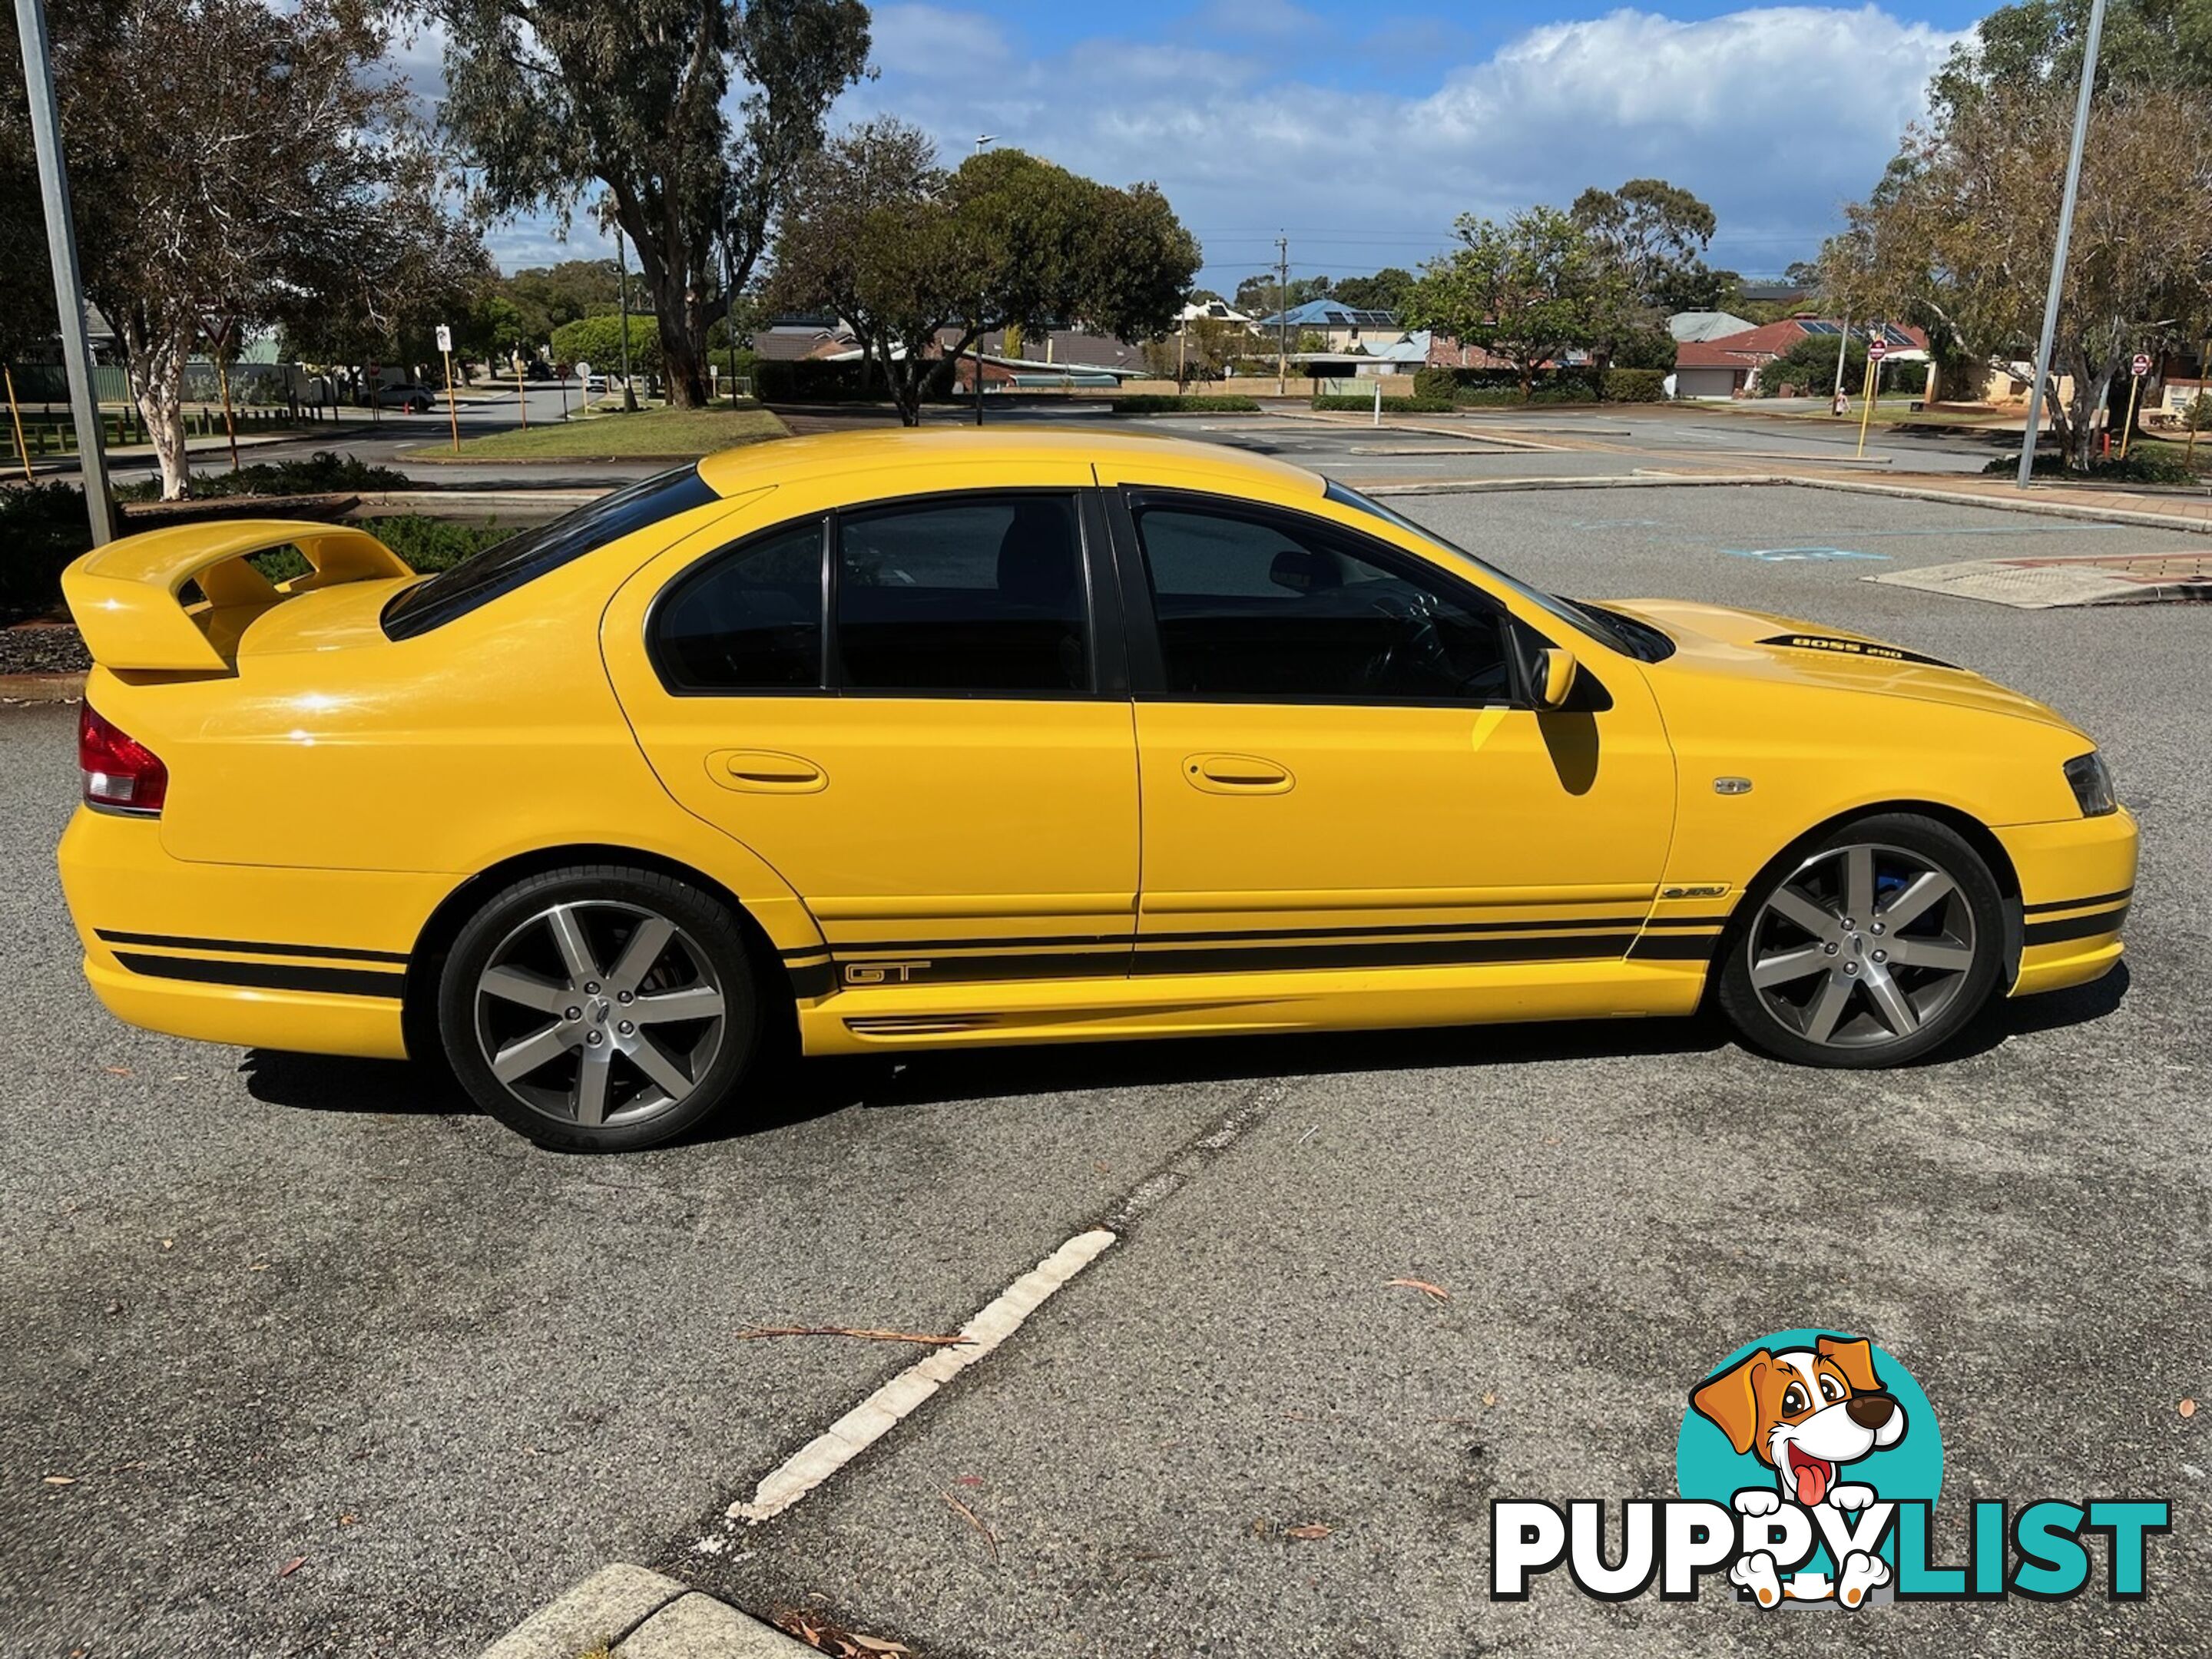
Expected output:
{"points": [[412, 397], [885, 741]]}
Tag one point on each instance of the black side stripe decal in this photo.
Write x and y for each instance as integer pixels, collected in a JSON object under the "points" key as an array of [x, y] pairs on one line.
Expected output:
{"points": [[2049, 932], [2074, 904], [251, 947], [899, 948], [267, 976], [1379, 954]]}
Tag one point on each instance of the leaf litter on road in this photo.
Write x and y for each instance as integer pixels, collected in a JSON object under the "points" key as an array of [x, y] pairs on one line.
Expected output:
{"points": [[1421, 1284]]}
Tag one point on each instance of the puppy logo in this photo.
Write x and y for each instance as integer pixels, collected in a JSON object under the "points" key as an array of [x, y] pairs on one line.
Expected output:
{"points": [[1806, 1414]]}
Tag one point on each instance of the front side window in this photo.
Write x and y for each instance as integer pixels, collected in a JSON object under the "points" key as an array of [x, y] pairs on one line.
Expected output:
{"points": [[1251, 607], [973, 594], [505, 566], [748, 618]]}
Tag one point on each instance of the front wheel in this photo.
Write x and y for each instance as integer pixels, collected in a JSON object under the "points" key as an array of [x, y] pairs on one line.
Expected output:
{"points": [[599, 1008], [1876, 948]]}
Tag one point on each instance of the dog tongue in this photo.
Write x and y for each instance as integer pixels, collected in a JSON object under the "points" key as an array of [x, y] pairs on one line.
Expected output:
{"points": [[1812, 1483]]}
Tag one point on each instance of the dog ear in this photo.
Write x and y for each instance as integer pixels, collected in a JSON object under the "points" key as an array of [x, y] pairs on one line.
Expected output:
{"points": [[1854, 1358], [1730, 1401]]}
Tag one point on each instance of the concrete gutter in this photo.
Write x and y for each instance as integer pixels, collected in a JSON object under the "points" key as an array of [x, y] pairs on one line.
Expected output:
{"points": [[41, 688], [637, 1614]]}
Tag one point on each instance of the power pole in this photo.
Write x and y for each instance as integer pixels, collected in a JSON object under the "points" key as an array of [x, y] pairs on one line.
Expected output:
{"points": [[2065, 235], [69, 287], [1282, 315]]}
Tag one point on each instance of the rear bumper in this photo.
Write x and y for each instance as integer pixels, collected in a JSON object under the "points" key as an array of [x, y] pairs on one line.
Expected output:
{"points": [[2076, 879], [313, 961]]}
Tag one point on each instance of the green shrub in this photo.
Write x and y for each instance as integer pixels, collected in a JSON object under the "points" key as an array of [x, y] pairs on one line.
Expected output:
{"points": [[2198, 415], [1416, 405], [435, 543], [322, 473], [1493, 387], [2149, 465], [42, 527], [1168, 403], [1634, 385]]}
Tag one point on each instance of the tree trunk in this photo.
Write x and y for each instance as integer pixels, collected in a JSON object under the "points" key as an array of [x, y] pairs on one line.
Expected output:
{"points": [[154, 362], [2090, 386], [1528, 382]]}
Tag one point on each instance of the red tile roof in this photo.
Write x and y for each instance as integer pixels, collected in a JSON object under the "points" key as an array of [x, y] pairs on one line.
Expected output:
{"points": [[1756, 346]]}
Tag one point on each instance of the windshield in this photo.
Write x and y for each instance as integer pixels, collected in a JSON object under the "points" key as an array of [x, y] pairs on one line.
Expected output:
{"points": [[505, 566], [1629, 638]]}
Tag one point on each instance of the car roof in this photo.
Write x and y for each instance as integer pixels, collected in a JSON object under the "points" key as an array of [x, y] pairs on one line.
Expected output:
{"points": [[731, 470]]}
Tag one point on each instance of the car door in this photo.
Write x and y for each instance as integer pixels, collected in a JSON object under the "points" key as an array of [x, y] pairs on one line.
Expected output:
{"points": [[914, 709], [1340, 769]]}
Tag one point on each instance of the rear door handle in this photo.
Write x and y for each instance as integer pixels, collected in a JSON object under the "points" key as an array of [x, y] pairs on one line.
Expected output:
{"points": [[765, 772], [1237, 775]]}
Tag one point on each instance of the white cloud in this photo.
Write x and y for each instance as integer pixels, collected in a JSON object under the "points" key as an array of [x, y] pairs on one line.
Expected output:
{"points": [[1775, 115]]}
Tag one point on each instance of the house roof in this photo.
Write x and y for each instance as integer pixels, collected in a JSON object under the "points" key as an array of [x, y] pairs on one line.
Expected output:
{"points": [[1329, 314], [1754, 346], [1706, 324]]}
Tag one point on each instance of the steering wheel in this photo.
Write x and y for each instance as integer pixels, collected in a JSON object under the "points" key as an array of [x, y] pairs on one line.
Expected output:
{"points": [[1417, 652]]}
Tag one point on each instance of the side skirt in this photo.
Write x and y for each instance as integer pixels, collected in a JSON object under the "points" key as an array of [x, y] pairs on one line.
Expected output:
{"points": [[861, 1020]]}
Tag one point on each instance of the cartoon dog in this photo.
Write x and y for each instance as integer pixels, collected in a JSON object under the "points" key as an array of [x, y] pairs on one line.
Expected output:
{"points": [[1805, 1412]]}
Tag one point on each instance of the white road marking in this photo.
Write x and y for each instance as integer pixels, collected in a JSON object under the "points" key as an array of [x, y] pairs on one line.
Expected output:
{"points": [[874, 1417]]}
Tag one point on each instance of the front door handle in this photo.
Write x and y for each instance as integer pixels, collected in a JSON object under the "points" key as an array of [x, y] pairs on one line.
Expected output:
{"points": [[1237, 775], [765, 772]]}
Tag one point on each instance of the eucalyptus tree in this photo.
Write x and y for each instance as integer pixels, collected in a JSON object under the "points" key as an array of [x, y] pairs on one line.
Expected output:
{"points": [[236, 165], [921, 260], [627, 102]]}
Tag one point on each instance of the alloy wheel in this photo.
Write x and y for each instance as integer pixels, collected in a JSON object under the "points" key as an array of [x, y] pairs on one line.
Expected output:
{"points": [[1863, 945], [598, 1012]]}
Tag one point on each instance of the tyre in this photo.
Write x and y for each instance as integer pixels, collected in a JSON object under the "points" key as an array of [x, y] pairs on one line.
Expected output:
{"points": [[599, 1008], [1878, 945]]}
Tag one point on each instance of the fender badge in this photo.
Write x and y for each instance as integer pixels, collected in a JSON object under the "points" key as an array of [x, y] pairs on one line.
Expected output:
{"points": [[1731, 786]]}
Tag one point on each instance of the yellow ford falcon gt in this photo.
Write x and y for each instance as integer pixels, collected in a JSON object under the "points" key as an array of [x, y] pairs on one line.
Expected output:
{"points": [[902, 740]]}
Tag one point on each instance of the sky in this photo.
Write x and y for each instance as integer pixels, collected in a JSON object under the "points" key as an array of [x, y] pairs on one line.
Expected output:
{"points": [[1361, 128]]}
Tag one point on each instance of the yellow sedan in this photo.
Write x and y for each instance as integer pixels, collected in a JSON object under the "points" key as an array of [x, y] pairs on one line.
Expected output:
{"points": [[907, 740]]}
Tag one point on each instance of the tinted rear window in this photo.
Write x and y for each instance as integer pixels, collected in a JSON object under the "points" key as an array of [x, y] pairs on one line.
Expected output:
{"points": [[507, 565]]}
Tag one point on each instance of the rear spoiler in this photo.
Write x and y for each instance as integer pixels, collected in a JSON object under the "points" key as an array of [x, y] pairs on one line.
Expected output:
{"points": [[128, 598]]}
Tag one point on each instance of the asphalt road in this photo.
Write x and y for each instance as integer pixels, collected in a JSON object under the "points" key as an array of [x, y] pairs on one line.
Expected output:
{"points": [[268, 1309]]}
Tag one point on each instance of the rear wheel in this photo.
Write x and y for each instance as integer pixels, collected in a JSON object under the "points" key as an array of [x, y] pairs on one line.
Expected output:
{"points": [[1880, 945], [600, 1009]]}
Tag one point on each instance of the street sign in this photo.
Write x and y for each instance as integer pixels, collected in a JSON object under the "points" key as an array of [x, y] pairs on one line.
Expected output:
{"points": [[583, 370], [2140, 366], [445, 338], [1877, 349]]}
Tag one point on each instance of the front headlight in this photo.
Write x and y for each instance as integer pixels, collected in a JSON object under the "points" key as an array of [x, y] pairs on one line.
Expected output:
{"points": [[2091, 781]]}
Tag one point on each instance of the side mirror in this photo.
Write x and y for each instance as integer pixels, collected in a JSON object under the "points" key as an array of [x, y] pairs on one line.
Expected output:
{"points": [[1554, 678]]}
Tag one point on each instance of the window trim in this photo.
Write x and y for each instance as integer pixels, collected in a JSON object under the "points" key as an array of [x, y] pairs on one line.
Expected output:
{"points": [[698, 571], [1147, 657], [1106, 642], [1093, 591]]}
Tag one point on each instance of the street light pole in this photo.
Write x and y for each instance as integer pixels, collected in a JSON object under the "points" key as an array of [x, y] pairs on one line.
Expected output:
{"points": [[69, 287], [2065, 235], [982, 301], [622, 283]]}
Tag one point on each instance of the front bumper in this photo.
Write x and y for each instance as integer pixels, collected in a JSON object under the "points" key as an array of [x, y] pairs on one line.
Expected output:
{"points": [[312, 961], [2076, 879]]}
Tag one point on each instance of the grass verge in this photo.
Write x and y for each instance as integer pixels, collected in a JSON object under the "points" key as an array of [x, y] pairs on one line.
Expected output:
{"points": [[675, 434]]}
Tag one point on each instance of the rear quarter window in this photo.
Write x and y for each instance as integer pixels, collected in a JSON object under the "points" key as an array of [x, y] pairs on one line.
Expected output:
{"points": [[507, 565]]}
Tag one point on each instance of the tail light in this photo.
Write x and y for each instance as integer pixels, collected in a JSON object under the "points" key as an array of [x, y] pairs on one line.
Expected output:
{"points": [[120, 773]]}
